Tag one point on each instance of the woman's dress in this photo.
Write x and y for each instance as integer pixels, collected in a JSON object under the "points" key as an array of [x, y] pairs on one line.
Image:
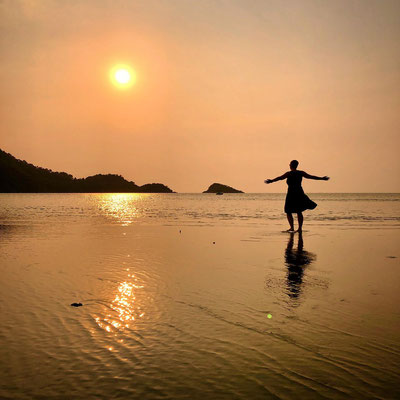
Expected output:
{"points": [[296, 200]]}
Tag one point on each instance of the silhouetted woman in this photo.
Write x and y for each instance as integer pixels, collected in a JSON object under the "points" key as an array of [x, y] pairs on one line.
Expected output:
{"points": [[296, 200]]}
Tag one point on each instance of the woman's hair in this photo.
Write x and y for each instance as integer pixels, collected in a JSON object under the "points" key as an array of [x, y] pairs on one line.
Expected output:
{"points": [[294, 163]]}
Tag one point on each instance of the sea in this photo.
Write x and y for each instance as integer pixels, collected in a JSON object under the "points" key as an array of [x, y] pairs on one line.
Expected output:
{"points": [[199, 296]]}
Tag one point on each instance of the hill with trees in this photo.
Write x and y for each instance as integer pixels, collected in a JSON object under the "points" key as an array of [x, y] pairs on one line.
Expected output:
{"points": [[18, 176], [220, 188]]}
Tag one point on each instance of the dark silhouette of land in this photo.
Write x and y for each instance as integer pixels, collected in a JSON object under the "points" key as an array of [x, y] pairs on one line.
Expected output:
{"points": [[219, 188], [18, 176]]}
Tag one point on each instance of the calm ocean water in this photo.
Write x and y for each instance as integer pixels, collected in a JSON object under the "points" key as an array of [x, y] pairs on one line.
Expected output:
{"points": [[194, 296], [338, 209]]}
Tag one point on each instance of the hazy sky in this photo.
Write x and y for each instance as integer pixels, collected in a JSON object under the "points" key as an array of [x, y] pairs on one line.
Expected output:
{"points": [[227, 90]]}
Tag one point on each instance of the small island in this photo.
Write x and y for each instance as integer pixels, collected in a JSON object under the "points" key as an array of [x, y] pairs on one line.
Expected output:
{"points": [[18, 176], [220, 188]]}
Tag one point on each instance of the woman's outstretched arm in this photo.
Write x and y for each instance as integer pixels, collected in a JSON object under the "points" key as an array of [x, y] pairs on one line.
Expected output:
{"points": [[278, 178], [319, 178]]}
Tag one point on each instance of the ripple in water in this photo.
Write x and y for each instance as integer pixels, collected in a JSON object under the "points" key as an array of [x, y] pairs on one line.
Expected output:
{"points": [[123, 309], [233, 310]]}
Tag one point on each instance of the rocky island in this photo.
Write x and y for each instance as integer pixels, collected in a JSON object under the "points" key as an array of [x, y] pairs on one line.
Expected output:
{"points": [[18, 176], [220, 188]]}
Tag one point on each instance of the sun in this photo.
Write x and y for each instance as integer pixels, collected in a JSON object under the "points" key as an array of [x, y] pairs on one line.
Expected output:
{"points": [[122, 76]]}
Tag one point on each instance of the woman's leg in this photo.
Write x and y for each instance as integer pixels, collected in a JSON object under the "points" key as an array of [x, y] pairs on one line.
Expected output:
{"points": [[290, 219], [300, 220]]}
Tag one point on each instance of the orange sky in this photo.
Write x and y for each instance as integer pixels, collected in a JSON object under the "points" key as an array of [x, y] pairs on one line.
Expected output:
{"points": [[226, 91]]}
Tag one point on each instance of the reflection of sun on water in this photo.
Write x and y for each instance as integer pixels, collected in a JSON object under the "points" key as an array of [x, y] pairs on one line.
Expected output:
{"points": [[124, 311], [121, 206], [124, 307]]}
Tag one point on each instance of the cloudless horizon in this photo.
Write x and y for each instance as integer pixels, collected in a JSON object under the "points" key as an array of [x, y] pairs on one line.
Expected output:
{"points": [[223, 91]]}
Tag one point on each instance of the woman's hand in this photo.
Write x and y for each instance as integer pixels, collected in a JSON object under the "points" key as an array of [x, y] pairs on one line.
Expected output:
{"points": [[325, 178], [268, 181]]}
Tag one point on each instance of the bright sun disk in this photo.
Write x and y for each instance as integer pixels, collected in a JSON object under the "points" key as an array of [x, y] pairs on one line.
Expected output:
{"points": [[122, 76]]}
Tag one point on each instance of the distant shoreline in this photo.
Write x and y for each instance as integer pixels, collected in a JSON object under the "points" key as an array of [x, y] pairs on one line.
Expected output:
{"points": [[202, 193], [18, 176]]}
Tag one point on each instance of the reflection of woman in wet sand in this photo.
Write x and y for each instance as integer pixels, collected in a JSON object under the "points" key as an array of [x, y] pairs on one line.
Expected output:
{"points": [[296, 200], [296, 260]]}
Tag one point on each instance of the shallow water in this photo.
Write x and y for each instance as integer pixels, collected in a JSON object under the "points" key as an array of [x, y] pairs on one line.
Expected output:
{"points": [[198, 296]]}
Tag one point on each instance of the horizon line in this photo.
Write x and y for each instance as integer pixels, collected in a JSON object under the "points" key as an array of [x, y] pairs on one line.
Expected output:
{"points": [[194, 193]]}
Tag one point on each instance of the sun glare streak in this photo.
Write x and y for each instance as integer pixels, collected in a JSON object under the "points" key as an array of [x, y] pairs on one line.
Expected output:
{"points": [[121, 207], [124, 306], [123, 310]]}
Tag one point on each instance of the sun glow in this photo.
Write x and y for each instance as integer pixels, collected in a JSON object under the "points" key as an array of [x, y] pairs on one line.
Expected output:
{"points": [[122, 76]]}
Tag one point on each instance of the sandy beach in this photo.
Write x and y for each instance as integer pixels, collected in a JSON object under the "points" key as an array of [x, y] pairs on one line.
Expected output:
{"points": [[213, 310]]}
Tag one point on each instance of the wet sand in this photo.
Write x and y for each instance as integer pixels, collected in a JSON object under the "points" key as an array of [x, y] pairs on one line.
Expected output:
{"points": [[221, 312]]}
